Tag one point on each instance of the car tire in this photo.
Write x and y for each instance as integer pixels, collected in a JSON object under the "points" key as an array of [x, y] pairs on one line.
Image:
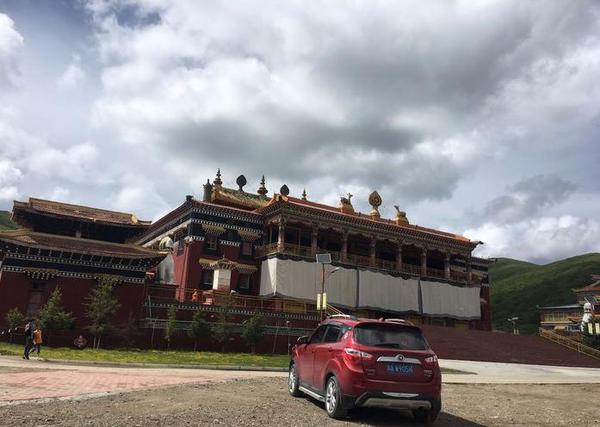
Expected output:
{"points": [[334, 406], [293, 382], [425, 416]]}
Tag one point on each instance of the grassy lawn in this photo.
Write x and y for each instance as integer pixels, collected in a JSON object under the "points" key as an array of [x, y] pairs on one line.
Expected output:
{"points": [[154, 356], [164, 357]]}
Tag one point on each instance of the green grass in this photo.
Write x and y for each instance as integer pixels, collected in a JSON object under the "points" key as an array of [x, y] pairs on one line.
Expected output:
{"points": [[165, 357], [518, 287], [154, 356], [5, 222]]}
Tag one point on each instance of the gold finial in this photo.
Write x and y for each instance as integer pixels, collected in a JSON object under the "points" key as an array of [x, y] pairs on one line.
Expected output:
{"points": [[262, 190], [346, 204], [400, 216], [217, 181], [375, 202], [304, 194]]}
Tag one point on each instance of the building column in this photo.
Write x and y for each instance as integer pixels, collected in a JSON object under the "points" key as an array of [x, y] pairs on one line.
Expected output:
{"points": [[447, 266], [372, 252], [469, 271], [423, 261], [314, 235], [399, 256], [344, 251], [281, 236]]}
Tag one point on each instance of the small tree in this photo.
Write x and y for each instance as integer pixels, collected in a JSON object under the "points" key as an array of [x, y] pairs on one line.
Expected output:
{"points": [[101, 308], [224, 329], [170, 325], [53, 317], [254, 331], [200, 329], [14, 318]]}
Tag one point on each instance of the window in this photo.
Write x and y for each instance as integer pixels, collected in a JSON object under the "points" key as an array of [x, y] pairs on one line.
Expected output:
{"points": [[390, 336], [317, 336], [244, 282], [207, 279], [333, 334], [247, 248], [36, 295], [211, 243]]}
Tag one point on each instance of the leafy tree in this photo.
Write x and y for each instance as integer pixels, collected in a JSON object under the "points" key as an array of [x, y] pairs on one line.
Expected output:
{"points": [[101, 308], [14, 318], [200, 329], [223, 329], [254, 331], [53, 317], [170, 325]]}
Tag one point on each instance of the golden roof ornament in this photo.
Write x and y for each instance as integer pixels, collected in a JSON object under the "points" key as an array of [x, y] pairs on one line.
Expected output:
{"points": [[217, 181], [241, 181], [346, 204], [284, 190], [375, 201], [400, 216], [262, 190], [304, 194]]}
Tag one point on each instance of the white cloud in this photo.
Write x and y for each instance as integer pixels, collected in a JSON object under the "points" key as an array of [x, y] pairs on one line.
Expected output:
{"points": [[73, 75], [11, 43]]}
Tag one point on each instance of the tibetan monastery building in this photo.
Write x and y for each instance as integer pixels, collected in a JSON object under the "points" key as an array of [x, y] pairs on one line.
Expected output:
{"points": [[256, 245], [256, 250]]}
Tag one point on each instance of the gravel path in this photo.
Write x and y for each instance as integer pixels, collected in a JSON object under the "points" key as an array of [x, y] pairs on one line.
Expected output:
{"points": [[265, 402]]}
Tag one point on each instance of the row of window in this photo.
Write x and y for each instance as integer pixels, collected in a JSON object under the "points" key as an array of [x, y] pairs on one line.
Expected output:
{"points": [[211, 244], [243, 282]]}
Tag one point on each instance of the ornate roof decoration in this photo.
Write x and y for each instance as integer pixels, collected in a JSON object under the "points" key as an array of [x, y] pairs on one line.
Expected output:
{"points": [[304, 194], [241, 181], [248, 236], [226, 264], [375, 201], [217, 182], [262, 190], [76, 212], [346, 204], [213, 230], [400, 216], [284, 190], [54, 242], [237, 198]]}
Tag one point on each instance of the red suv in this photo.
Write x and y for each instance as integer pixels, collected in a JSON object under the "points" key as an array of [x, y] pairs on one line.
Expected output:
{"points": [[349, 362]]}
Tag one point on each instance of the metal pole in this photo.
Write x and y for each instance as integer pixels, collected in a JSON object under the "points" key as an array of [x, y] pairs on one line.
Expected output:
{"points": [[322, 291]]}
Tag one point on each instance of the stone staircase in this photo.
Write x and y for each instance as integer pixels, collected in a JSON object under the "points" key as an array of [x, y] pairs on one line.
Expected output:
{"points": [[451, 343]]}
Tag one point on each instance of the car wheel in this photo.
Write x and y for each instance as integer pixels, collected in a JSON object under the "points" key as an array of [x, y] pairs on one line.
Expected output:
{"points": [[425, 416], [293, 382], [333, 399]]}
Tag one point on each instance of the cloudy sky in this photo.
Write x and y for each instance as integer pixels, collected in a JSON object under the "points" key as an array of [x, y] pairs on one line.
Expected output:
{"points": [[480, 118]]}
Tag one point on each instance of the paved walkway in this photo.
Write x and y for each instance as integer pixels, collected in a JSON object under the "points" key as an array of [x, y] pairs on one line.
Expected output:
{"points": [[517, 373], [22, 380], [25, 380]]}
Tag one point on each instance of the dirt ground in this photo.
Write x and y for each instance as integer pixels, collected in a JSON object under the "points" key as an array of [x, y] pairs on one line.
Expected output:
{"points": [[265, 402]]}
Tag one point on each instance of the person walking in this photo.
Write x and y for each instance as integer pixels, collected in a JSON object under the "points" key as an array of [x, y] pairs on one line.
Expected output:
{"points": [[28, 338], [37, 341]]}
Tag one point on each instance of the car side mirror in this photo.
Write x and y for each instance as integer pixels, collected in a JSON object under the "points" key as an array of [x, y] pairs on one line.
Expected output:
{"points": [[302, 340]]}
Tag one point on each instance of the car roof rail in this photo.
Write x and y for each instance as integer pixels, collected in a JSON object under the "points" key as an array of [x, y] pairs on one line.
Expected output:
{"points": [[342, 316], [406, 322]]}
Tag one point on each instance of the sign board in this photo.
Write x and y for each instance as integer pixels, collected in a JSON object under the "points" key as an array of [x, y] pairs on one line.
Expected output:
{"points": [[324, 258]]}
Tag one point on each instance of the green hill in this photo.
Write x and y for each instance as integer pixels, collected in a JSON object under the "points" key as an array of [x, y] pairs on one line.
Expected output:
{"points": [[5, 222], [518, 287]]}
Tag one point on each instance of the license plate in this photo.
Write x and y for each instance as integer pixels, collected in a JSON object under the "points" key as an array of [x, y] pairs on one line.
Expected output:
{"points": [[400, 368]]}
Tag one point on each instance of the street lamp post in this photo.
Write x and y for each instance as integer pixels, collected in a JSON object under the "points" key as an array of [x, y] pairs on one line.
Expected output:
{"points": [[514, 320]]}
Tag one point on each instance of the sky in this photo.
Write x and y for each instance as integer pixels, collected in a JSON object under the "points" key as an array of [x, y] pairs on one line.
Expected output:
{"points": [[478, 118]]}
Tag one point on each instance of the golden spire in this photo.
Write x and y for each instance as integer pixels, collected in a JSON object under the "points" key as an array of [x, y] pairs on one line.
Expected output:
{"points": [[217, 181], [375, 202], [304, 194], [262, 190]]}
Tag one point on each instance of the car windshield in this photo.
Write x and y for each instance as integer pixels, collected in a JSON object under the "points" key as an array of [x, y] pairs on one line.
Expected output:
{"points": [[390, 336]]}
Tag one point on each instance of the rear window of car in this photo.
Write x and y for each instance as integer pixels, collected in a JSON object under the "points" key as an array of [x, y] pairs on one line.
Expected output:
{"points": [[390, 336]]}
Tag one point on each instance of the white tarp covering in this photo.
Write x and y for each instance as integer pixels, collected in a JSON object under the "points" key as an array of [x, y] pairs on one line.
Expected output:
{"points": [[302, 280], [444, 300], [166, 271], [382, 291]]}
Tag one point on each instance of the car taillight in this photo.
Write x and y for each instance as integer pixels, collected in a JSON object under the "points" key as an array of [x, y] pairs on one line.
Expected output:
{"points": [[430, 365], [357, 353]]}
